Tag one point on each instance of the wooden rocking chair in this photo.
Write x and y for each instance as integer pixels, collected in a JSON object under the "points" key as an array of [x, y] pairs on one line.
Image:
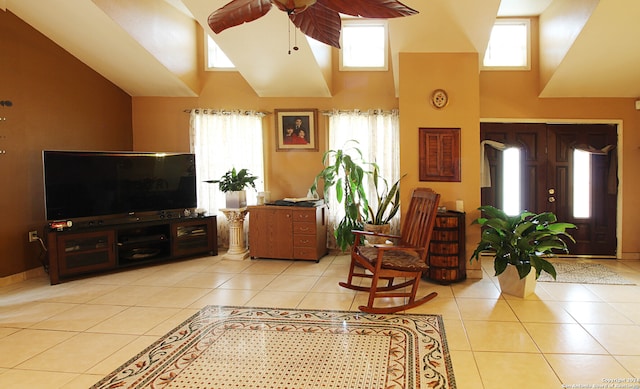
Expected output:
{"points": [[406, 259]]}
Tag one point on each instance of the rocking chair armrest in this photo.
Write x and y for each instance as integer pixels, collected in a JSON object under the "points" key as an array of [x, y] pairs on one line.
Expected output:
{"points": [[370, 233]]}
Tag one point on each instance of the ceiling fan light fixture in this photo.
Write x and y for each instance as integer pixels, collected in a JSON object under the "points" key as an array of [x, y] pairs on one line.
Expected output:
{"points": [[293, 6]]}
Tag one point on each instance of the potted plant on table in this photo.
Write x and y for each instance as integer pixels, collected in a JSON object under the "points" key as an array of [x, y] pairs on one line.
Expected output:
{"points": [[385, 207], [521, 243], [233, 184], [344, 172]]}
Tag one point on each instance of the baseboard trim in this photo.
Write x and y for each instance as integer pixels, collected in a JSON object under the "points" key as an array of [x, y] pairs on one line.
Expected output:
{"points": [[25, 275]]}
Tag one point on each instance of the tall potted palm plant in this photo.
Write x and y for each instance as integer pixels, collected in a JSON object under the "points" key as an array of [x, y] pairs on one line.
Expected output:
{"points": [[344, 171]]}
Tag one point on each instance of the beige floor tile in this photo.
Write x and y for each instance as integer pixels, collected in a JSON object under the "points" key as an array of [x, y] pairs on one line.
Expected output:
{"points": [[128, 295], [30, 379], [227, 297], [276, 298], [330, 285], [267, 266], [229, 266], [330, 301], [630, 310], [476, 289], [172, 322], [631, 363], [426, 287], [27, 314], [134, 320], [617, 339], [594, 369], [444, 306], [248, 281], [499, 336], [119, 357], [78, 353], [568, 292], [515, 370], [563, 338], [292, 283], [464, 370], [82, 381], [204, 280], [6, 331], [337, 270], [540, 311], [78, 292], [25, 344], [308, 268], [174, 297], [80, 317], [164, 277], [485, 309], [456, 335], [617, 293], [595, 313]]}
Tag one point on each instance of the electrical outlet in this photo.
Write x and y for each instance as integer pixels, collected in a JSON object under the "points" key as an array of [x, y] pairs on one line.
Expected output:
{"points": [[33, 236]]}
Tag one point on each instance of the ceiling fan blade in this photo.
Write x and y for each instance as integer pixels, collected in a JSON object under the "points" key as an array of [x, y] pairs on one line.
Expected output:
{"points": [[369, 8], [237, 12], [320, 23]]}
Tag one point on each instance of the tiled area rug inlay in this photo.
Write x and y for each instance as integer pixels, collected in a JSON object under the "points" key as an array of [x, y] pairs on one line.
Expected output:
{"points": [[584, 273], [240, 347]]}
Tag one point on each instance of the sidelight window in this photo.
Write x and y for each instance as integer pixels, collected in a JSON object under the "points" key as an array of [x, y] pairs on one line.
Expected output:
{"points": [[511, 181], [581, 184]]}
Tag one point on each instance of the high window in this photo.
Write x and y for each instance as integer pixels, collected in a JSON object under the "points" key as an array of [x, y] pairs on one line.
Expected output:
{"points": [[216, 58], [509, 46], [364, 45]]}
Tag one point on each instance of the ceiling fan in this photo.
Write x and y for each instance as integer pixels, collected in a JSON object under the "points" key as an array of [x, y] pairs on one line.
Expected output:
{"points": [[318, 19]]}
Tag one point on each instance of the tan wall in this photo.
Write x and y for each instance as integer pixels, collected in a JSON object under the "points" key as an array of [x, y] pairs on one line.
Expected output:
{"points": [[61, 104], [58, 103]]}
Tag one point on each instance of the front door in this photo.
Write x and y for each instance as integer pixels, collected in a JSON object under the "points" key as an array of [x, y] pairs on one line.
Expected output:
{"points": [[550, 170]]}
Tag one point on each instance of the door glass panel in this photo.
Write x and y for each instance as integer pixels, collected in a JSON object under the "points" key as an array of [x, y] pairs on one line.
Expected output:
{"points": [[581, 184], [511, 181]]}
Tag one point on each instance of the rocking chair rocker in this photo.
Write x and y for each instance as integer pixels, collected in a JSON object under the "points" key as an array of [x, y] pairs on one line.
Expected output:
{"points": [[407, 259]]}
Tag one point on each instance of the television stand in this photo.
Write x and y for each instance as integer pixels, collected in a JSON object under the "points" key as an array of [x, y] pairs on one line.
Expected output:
{"points": [[80, 251]]}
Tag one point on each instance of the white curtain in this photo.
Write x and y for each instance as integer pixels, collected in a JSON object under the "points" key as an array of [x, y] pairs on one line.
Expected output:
{"points": [[378, 136], [222, 140]]}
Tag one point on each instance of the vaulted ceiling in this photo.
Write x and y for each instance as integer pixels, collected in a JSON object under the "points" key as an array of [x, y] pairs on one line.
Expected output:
{"points": [[149, 47]]}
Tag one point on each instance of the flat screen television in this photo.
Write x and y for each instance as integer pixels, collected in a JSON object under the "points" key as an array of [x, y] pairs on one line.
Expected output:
{"points": [[90, 184]]}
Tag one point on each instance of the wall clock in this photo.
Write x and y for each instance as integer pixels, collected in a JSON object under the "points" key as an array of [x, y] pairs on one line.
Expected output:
{"points": [[439, 98]]}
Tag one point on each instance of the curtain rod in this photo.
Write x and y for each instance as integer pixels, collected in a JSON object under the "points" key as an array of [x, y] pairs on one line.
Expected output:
{"points": [[226, 112], [358, 111]]}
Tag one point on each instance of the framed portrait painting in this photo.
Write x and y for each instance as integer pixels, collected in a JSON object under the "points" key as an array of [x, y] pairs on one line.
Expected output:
{"points": [[296, 129]]}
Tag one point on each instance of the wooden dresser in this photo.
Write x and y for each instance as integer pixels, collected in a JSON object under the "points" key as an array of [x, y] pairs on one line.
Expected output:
{"points": [[447, 258], [288, 232]]}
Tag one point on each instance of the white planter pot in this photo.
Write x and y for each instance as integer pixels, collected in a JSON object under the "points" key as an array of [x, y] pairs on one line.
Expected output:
{"points": [[236, 199], [510, 282]]}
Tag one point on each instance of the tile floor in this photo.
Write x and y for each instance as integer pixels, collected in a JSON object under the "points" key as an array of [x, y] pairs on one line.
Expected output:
{"points": [[566, 335]]}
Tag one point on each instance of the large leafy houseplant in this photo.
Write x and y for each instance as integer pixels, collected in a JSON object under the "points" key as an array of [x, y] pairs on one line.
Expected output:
{"points": [[234, 181], [524, 240], [344, 171]]}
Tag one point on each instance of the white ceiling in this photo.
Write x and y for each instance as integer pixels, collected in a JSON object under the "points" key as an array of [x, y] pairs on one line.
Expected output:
{"points": [[588, 48]]}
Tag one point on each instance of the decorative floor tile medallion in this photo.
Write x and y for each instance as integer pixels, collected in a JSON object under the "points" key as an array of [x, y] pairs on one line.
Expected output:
{"points": [[240, 347]]}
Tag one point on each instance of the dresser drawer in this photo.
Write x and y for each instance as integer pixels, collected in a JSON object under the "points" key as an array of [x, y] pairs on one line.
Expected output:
{"points": [[304, 228], [304, 240], [443, 248], [305, 253], [304, 215]]}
